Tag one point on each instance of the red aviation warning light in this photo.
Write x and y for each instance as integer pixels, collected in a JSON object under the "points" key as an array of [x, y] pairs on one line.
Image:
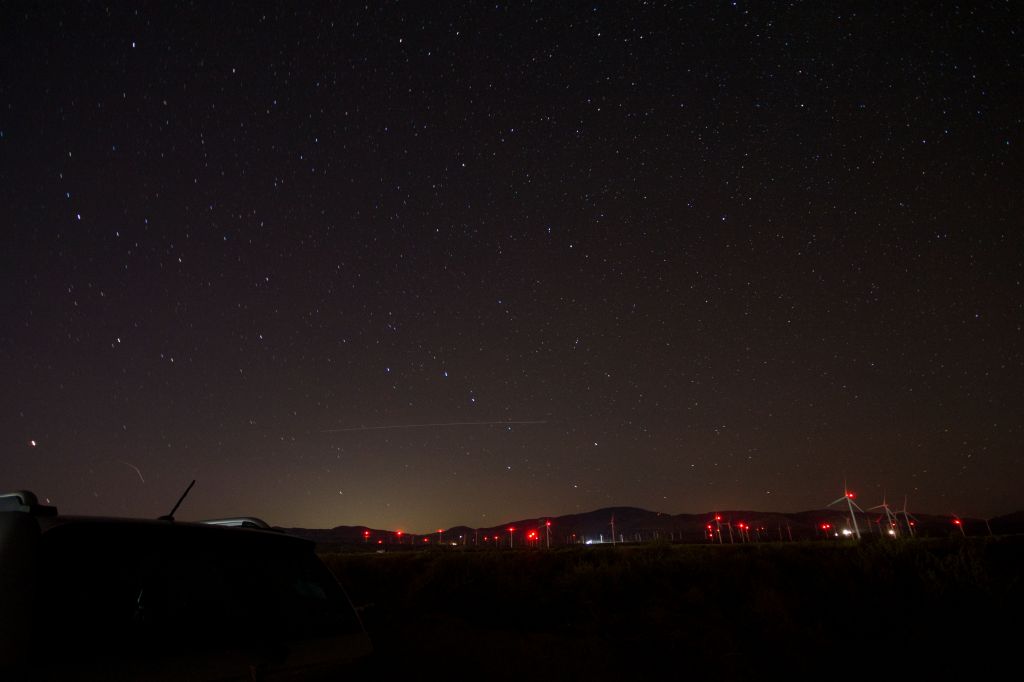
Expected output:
{"points": [[547, 523], [850, 494]]}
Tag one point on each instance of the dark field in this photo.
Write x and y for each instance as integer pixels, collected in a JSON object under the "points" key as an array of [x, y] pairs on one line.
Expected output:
{"points": [[704, 612]]}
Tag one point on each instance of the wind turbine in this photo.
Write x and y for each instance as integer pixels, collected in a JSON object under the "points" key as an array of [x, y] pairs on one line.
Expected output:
{"points": [[907, 516], [718, 527], [889, 515], [848, 496]]}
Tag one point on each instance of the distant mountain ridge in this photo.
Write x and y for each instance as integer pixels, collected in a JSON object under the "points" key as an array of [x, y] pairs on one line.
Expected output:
{"points": [[633, 524]]}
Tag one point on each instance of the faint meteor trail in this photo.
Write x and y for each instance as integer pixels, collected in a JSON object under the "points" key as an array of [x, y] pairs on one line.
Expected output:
{"points": [[136, 470], [424, 426]]}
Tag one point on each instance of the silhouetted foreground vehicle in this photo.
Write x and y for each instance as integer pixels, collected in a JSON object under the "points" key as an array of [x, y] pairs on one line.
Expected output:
{"points": [[86, 598]]}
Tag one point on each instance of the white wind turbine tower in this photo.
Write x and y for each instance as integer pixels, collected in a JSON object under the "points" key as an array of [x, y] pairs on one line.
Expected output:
{"points": [[890, 516], [848, 496], [907, 516], [959, 523]]}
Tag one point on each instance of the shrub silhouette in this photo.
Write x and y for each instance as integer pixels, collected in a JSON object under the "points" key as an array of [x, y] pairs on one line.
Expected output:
{"points": [[727, 610]]}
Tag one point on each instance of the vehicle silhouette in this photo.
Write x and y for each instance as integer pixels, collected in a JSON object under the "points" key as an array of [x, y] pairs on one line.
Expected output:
{"points": [[91, 598]]}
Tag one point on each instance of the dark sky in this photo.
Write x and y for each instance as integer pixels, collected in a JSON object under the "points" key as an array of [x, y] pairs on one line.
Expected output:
{"points": [[721, 254]]}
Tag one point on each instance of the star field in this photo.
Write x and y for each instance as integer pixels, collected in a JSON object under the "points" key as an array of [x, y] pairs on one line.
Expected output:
{"points": [[322, 258]]}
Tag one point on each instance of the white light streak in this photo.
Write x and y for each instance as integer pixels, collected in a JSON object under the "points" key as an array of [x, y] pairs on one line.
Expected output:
{"points": [[427, 426]]}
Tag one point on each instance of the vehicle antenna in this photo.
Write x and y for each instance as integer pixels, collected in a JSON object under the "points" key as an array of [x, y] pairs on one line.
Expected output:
{"points": [[170, 517]]}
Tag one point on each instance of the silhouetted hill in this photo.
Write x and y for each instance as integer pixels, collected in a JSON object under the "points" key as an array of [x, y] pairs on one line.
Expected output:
{"points": [[633, 524], [1009, 524]]}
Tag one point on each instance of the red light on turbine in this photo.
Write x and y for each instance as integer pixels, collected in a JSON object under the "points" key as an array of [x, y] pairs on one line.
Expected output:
{"points": [[850, 494], [717, 517], [547, 523], [426, 539], [366, 533], [398, 533], [380, 542], [956, 521]]}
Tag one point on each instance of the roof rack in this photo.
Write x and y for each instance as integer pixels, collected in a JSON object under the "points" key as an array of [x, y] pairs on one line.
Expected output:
{"points": [[25, 501], [239, 522]]}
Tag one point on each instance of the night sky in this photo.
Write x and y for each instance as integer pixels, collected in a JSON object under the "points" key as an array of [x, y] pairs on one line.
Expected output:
{"points": [[421, 264]]}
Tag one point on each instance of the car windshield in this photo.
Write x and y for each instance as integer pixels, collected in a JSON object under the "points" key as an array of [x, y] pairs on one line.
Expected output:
{"points": [[154, 587]]}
